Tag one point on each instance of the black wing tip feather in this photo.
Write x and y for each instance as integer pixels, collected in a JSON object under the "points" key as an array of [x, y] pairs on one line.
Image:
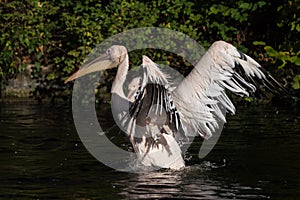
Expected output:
{"points": [[148, 96], [242, 55], [248, 82], [273, 85], [269, 82]]}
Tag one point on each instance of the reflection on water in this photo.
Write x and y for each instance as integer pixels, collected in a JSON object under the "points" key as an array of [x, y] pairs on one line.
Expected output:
{"points": [[194, 182], [42, 157]]}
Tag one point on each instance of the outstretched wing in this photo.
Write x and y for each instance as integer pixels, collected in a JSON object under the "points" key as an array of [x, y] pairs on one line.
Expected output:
{"points": [[153, 103], [153, 120], [201, 98]]}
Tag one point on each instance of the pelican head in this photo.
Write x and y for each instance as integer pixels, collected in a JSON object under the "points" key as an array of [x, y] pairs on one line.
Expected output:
{"points": [[113, 57]]}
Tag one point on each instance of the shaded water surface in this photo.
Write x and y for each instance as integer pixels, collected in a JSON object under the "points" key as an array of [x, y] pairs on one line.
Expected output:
{"points": [[42, 157]]}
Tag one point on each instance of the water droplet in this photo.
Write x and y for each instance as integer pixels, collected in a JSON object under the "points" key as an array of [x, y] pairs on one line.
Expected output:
{"points": [[100, 133]]}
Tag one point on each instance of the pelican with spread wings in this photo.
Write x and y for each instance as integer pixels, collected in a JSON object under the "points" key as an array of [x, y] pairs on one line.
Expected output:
{"points": [[156, 117]]}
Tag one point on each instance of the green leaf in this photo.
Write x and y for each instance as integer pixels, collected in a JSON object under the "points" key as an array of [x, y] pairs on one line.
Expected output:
{"points": [[39, 55], [298, 28], [296, 84], [73, 53], [259, 43], [271, 51], [295, 60], [283, 64], [245, 5], [249, 99], [213, 10], [261, 3]]}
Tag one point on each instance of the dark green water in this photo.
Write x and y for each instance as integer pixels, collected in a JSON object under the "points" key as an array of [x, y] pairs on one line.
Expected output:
{"points": [[42, 157]]}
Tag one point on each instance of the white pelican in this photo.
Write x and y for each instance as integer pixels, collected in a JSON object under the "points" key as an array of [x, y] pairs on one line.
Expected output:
{"points": [[157, 117]]}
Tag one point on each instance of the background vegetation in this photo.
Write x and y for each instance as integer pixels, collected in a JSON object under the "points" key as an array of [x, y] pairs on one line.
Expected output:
{"points": [[58, 34]]}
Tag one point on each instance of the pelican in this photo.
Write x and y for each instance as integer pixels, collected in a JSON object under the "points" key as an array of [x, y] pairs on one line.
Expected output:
{"points": [[157, 117]]}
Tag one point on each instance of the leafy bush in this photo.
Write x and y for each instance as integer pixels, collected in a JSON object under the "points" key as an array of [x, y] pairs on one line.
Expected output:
{"points": [[60, 33], [284, 52]]}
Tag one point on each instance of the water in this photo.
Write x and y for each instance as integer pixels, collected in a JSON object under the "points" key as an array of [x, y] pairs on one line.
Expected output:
{"points": [[42, 157]]}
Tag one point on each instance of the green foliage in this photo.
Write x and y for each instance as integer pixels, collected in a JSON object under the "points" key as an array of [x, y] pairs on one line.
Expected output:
{"points": [[287, 57], [237, 17], [284, 57], [296, 84], [61, 33]]}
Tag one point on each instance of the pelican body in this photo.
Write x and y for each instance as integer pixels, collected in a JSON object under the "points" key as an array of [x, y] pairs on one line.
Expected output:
{"points": [[156, 118]]}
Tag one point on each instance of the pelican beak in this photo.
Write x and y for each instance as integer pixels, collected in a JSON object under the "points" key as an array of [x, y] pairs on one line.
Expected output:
{"points": [[100, 63]]}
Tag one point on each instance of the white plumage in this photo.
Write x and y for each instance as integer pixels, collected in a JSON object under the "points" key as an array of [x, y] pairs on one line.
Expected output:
{"points": [[156, 118]]}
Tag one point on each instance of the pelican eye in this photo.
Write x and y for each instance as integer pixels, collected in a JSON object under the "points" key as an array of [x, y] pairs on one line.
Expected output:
{"points": [[108, 51]]}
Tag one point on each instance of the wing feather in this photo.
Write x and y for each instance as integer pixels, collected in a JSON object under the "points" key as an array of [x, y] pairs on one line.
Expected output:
{"points": [[221, 68], [151, 113]]}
